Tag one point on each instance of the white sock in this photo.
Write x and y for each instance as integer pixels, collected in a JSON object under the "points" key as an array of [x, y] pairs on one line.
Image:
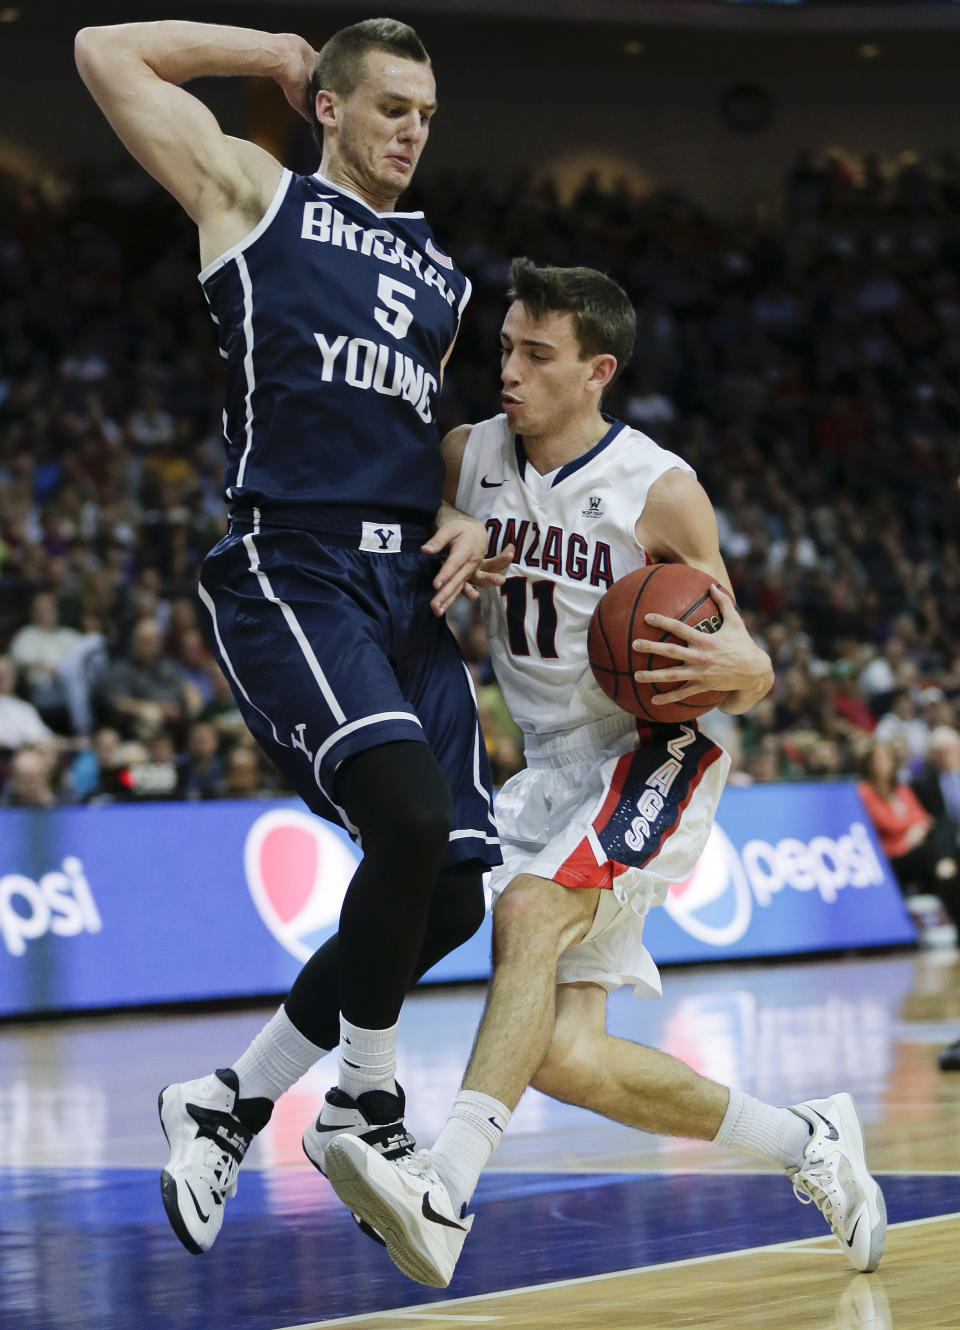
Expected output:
{"points": [[756, 1128], [277, 1058], [368, 1059], [470, 1135]]}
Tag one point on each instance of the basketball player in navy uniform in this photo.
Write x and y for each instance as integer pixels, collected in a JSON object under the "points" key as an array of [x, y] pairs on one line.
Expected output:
{"points": [[609, 811], [335, 314]]}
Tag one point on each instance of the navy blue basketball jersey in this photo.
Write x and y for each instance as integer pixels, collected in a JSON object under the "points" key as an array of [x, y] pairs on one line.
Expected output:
{"points": [[334, 320]]}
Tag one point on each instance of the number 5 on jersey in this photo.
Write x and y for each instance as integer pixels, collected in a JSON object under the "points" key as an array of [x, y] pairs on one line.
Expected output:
{"points": [[396, 317]]}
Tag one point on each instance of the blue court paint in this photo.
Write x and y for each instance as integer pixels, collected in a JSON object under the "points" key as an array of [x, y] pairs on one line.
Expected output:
{"points": [[92, 1248]]}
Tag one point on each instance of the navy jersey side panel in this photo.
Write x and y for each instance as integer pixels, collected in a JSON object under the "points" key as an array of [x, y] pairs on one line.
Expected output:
{"points": [[334, 321]]}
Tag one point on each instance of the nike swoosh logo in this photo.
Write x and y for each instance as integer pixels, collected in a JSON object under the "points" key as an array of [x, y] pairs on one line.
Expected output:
{"points": [[430, 1213], [490, 484], [496, 1124], [854, 1233], [204, 1218], [832, 1134]]}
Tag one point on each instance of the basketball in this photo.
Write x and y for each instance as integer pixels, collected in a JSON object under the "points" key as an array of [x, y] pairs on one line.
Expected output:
{"points": [[674, 589]]}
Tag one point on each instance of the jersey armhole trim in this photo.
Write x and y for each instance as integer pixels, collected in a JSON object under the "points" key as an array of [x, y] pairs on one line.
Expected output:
{"points": [[251, 236], [464, 298]]}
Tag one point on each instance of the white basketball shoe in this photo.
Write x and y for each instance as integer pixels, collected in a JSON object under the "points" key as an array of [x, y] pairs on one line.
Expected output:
{"points": [[376, 1116], [835, 1177], [406, 1202], [207, 1145]]}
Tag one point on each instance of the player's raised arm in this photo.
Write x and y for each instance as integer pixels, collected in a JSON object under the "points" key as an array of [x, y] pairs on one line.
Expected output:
{"points": [[678, 525], [133, 71]]}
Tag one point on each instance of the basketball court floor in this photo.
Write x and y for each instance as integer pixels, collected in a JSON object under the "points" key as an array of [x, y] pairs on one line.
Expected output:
{"points": [[580, 1223]]}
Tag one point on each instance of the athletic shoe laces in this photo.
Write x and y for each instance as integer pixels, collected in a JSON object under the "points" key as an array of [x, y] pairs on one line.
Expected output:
{"points": [[217, 1169], [817, 1181], [420, 1166]]}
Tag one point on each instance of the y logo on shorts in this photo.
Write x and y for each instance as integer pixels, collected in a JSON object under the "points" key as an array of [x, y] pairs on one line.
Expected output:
{"points": [[381, 537]]}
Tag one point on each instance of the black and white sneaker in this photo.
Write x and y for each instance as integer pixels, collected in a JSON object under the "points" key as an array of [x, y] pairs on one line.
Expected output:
{"points": [[207, 1145], [376, 1116]]}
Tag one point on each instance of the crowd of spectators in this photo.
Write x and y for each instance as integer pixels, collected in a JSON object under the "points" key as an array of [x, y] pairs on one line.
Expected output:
{"points": [[804, 359]]}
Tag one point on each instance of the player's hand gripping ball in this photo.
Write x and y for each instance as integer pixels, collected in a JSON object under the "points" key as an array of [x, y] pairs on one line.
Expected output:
{"points": [[673, 589]]}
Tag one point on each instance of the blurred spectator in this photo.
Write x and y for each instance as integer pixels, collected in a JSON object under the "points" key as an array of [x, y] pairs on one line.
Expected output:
{"points": [[903, 721], [92, 775], [922, 851], [20, 721], [38, 650], [80, 673], [243, 775], [937, 783], [144, 692], [200, 769], [196, 667], [29, 780]]}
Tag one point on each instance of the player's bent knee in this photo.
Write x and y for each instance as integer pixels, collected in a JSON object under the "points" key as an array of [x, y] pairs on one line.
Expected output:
{"points": [[399, 800], [535, 912], [522, 916]]}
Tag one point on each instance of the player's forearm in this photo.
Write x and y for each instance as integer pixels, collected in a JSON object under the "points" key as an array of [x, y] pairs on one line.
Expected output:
{"points": [[739, 702], [177, 50]]}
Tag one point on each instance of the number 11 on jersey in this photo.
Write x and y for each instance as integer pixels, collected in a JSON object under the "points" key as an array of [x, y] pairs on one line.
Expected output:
{"points": [[514, 592]]}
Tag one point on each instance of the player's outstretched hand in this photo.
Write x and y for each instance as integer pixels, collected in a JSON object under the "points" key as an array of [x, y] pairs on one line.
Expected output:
{"points": [[727, 661], [465, 541]]}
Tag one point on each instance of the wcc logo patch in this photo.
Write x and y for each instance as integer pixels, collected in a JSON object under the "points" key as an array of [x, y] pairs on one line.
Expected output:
{"points": [[594, 510], [297, 872]]}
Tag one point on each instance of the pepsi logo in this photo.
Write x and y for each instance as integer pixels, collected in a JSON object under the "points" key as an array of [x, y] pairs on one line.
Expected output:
{"points": [[297, 871], [715, 903]]}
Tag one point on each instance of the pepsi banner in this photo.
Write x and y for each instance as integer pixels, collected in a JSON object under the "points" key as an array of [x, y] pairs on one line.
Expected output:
{"points": [[787, 869], [122, 905]]}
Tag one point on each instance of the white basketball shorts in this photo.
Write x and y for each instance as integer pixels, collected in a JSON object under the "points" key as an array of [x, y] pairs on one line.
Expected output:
{"points": [[622, 806]]}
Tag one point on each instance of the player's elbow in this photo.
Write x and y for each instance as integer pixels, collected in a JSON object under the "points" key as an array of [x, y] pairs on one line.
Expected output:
{"points": [[95, 48], [89, 50], [87, 43]]}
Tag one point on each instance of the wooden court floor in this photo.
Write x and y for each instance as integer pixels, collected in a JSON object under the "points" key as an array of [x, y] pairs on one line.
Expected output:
{"points": [[580, 1223]]}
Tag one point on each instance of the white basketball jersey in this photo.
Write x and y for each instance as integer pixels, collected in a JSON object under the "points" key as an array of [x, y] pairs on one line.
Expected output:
{"points": [[574, 535]]}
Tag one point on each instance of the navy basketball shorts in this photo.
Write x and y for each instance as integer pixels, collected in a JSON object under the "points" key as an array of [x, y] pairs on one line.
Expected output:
{"points": [[331, 647]]}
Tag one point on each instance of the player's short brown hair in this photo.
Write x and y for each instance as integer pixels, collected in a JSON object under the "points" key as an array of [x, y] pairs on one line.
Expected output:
{"points": [[603, 317], [339, 66]]}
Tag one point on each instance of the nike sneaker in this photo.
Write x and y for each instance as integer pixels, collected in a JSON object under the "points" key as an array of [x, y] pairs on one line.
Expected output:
{"points": [[834, 1176], [207, 1144], [405, 1201], [376, 1116]]}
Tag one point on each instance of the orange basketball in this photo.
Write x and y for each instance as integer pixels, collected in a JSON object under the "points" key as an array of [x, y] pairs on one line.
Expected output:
{"points": [[674, 589]]}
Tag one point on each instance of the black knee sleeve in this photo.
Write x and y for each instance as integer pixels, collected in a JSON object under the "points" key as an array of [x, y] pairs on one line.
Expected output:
{"points": [[456, 912], [397, 797]]}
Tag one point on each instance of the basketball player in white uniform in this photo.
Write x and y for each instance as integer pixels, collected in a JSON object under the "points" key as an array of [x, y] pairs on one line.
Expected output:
{"points": [[609, 811]]}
